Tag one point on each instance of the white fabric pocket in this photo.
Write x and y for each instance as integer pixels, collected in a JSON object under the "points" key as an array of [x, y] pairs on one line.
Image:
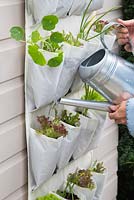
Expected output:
{"points": [[87, 130], [43, 80], [43, 7], [100, 118], [44, 155], [63, 7], [84, 193], [68, 145], [100, 180], [73, 57], [78, 7]]}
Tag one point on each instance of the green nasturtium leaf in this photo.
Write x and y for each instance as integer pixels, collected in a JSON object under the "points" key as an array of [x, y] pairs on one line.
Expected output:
{"points": [[56, 61], [36, 55], [57, 37], [17, 33], [49, 22], [35, 37]]}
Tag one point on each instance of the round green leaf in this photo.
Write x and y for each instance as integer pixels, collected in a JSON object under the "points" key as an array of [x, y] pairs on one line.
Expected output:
{"points": [[35, 37], [17, 33], [49, 22], [57, 37], [36, 55], [56, 61]]}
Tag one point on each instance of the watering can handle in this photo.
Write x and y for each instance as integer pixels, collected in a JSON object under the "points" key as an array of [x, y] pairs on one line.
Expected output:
{"points": [[107, 27]]}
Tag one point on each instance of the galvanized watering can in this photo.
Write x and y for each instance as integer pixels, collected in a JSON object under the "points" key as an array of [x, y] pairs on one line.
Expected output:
{"points": [[107, 73]]}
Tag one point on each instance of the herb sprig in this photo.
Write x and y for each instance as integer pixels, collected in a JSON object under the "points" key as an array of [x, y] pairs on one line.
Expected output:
{"points": [[70, 118]]}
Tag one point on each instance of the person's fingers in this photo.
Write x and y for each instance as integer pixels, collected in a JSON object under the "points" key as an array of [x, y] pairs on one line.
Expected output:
{"points": [[121, 35], [121, 121], [123, 41], [123, 31], [127, 47], [114, 115], [127, 22], [113, 108]]}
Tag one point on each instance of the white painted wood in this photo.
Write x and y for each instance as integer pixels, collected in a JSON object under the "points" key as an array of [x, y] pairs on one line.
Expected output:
{"points": [[12, 135], [13, 174], [11, 99], [13, 161], [11, 14], [11, 59], [20, 194]]}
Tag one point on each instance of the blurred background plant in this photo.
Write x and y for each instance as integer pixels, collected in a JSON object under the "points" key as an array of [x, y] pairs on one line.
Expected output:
{"points": [[126, 142]]}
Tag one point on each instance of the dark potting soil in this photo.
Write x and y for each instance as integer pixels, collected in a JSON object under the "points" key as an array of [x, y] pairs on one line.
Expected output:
{"points": [[69, 196]]}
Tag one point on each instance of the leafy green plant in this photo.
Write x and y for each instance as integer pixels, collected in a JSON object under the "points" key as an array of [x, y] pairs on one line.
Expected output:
{"points": [[70, 118], [51, 128], [99, 25], [90, 95], [36, 43], [51, 43], [48, 197], [70, 39], [97, 167], [82, 178]]}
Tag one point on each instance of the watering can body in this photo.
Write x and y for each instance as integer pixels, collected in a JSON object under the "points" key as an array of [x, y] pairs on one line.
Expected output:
{"points": [[107, 73]]}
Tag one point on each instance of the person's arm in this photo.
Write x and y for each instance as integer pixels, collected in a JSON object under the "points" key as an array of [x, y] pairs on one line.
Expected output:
{"points": [[124, 112], [130, 115]]}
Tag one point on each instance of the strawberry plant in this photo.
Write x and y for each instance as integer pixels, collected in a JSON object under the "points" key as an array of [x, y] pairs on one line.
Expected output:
{"points": [[70, 118], [51, 128]]}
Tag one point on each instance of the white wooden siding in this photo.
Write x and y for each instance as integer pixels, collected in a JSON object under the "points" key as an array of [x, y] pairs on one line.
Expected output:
{"points": [[13, 160]]}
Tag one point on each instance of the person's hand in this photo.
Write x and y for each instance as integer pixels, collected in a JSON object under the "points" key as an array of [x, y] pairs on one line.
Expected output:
{"points": [[124, 35], [118, 113]]}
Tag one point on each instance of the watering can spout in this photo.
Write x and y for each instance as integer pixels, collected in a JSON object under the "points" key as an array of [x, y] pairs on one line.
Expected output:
{"points": [[101, 106]]}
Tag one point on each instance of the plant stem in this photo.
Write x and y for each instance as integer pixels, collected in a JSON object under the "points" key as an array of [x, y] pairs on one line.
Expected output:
{"points": [[112, 9], [96, 35], [84, 14]]}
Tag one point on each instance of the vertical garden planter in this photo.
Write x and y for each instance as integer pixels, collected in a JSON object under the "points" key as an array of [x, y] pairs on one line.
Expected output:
{"points": [[53, 55]]}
